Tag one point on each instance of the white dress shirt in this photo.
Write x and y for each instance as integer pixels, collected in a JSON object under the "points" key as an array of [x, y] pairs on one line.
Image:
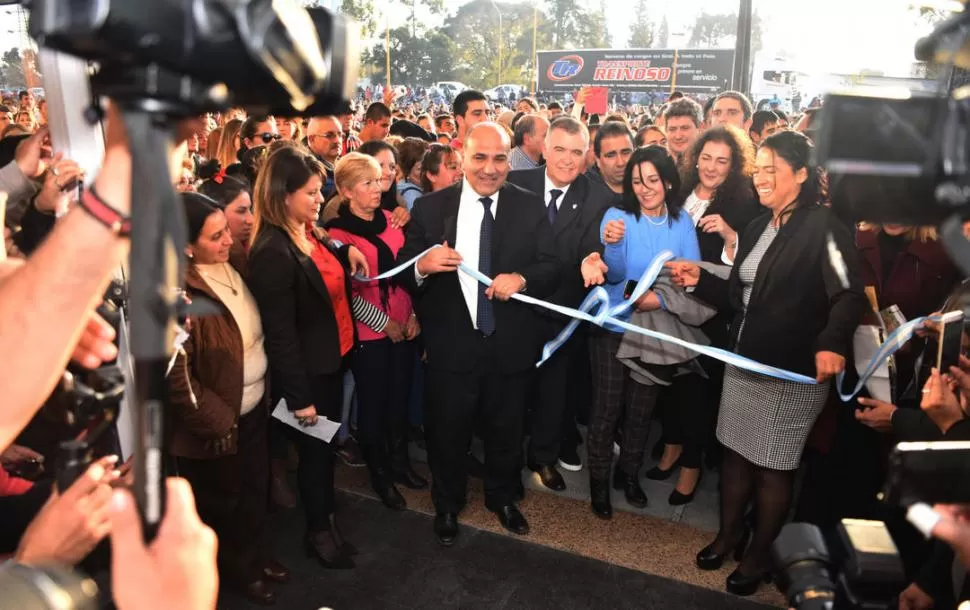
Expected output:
{"points": [[467, 241], [547, 197]]}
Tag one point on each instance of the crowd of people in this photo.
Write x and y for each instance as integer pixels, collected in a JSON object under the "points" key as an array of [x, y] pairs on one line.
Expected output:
{"points": [[288, 218]]}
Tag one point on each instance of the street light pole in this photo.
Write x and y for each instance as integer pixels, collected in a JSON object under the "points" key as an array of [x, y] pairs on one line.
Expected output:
{"points": [[498, 76], [535, 61], [742, 49]]}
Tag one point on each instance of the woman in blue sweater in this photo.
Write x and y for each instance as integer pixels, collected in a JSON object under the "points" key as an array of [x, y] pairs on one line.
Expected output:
{"points": [[647, 221]]}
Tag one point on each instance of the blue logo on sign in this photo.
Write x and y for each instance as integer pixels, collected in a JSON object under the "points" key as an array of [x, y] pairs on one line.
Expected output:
{"points": [[565, 68]]}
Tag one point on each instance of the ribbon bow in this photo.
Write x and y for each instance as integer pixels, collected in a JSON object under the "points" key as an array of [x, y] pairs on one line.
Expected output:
{"points": [[219, 177]]}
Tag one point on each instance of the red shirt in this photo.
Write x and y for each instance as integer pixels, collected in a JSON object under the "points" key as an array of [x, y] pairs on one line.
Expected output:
{"points": [[332, 273]]}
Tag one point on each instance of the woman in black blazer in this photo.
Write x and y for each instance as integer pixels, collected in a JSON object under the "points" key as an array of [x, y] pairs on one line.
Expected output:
{"points": [[795, 308], [301, 281]]}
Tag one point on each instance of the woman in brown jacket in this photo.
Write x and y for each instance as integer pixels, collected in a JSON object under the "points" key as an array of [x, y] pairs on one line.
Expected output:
{"points": [[218, 416]]}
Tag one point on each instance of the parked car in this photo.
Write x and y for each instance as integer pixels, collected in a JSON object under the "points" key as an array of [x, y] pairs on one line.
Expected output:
{"points": [[449, 88], [504, 93]]}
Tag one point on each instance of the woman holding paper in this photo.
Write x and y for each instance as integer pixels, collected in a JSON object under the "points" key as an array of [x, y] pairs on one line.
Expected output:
{"points": [[218, 413], [794, 308], [301, 281]]}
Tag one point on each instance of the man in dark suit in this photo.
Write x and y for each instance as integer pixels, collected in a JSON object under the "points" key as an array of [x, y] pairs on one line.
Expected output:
{"points": [[481, 346], [574, 208]]}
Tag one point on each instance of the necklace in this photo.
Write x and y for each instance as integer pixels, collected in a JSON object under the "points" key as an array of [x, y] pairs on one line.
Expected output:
{"points": [[662, 219], [230, 285]]}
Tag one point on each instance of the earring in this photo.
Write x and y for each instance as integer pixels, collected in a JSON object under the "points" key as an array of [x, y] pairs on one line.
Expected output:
{"points": [[189, 254]]}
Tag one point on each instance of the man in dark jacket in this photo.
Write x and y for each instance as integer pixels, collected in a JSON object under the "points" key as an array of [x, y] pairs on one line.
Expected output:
{"points": [[574, 208]]}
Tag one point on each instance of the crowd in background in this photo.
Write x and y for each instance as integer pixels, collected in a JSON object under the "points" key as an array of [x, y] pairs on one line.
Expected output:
{"points": [[286, 217]]}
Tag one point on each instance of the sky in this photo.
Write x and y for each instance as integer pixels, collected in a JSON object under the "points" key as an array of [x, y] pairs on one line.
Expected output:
{"points": [[841, 36]]}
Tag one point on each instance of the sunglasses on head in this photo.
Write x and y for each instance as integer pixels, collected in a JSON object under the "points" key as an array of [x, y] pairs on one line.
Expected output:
{"points": [[269, 137]]}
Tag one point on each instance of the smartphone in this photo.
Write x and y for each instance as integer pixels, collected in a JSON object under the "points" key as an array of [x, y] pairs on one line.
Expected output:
{"points": [[951, 341], [628, 289], [932, 472]]}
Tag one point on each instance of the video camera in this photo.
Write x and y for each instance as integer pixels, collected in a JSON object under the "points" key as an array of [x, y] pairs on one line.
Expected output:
{"points": [[899, 156], [161, 61]]}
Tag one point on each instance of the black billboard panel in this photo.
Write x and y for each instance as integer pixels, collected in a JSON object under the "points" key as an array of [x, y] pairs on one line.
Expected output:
{"points": [[636, 69]]}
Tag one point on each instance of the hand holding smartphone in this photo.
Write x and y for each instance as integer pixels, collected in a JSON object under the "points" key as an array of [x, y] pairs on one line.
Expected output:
{"points": [[950, 344]]}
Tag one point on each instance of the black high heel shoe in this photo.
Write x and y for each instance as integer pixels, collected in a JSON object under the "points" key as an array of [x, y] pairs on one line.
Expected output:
{"points": [[657, 474], [679, 499], [709, 559], [743, 586]]}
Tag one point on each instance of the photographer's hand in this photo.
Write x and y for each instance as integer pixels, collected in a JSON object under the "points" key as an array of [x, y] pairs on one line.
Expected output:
{"points": [[71, 524], [940, 403], [178, 569]]}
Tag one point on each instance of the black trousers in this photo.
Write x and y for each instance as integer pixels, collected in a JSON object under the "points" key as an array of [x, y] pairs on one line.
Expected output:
{"points": [[314, 476], [383, 371], [554, 415], [687, 417], [231, 497], [455, 403], [616, 394]]}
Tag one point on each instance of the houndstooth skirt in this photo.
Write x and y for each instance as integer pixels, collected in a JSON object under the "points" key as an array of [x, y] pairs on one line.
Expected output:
{"points": [[767, 420]]}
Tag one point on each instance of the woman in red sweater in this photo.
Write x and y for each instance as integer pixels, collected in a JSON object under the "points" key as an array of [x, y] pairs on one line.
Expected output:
{"points": [[384, 360]]}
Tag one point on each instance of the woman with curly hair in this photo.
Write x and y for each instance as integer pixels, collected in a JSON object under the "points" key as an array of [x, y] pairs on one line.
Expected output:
{"points": [[720, 199]]}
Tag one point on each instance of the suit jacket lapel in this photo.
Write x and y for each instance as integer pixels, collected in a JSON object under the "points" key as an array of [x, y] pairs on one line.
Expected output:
{"points": [[311, 270], [571, 206]]}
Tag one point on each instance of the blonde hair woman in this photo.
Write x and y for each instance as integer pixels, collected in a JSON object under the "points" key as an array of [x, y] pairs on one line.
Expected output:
{"points": [[384, 360], [228, 143], [301, 282]]}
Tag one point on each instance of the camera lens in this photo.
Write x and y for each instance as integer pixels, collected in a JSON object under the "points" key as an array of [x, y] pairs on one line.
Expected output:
{"points": [[802, 563]]}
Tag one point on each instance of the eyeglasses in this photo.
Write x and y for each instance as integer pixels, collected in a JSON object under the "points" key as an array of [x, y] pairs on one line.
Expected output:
{"points": [[330, 135], [269, 137]]}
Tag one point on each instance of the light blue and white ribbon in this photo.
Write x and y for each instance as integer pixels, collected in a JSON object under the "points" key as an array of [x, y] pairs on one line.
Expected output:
{"points": [[597, 309]]}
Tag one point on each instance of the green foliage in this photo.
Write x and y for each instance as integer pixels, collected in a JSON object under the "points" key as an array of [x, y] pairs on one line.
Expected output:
{"points": [[642, 30], [663, 36], [720, 31], [12, 70]]}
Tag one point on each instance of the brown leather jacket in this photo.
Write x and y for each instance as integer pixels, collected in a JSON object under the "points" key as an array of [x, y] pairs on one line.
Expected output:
{"points": [[205, 384]]}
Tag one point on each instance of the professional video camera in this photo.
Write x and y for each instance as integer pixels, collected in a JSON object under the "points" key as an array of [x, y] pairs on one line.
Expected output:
{"points": [[904, 157], [161, 61]]}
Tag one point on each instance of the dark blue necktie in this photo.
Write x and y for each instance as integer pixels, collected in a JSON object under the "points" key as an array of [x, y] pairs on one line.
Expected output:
{"points": [[486, 317], [552, 211]]}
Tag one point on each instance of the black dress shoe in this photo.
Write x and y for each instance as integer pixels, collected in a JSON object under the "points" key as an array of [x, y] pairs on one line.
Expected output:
{"points": [[549, 476], [710, 559], [259, 592], [679, 499], [388, 494], [275, 571], [739, 584], [631, 488], [325, 549], [410, 479], [599, 496], [512, 519], [446, 528]]}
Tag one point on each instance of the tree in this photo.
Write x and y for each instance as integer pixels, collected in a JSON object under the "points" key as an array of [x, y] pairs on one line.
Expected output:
{"points": [[720, 31], [663, 36], [641, 32], [435, 7], [363, 12], [415, 60], [12, 69]]}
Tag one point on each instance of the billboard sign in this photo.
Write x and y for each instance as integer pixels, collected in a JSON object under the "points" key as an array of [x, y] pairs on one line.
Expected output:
{"points": [[692, 70]]}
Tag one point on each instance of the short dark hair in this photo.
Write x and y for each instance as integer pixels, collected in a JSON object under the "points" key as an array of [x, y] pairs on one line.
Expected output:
{"points": [[708, 106], [372, 147], [460, 106], [684, 107], [376, 112], [782, 115], [554, 106], [741, 98], [441, 118], [525, 126], [660, 158], [23, 93], [761, 118], [610, 129]]}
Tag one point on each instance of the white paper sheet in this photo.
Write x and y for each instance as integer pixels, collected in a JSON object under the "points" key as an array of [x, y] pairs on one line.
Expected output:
{"points": [[865, 344], [324, 429]]}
